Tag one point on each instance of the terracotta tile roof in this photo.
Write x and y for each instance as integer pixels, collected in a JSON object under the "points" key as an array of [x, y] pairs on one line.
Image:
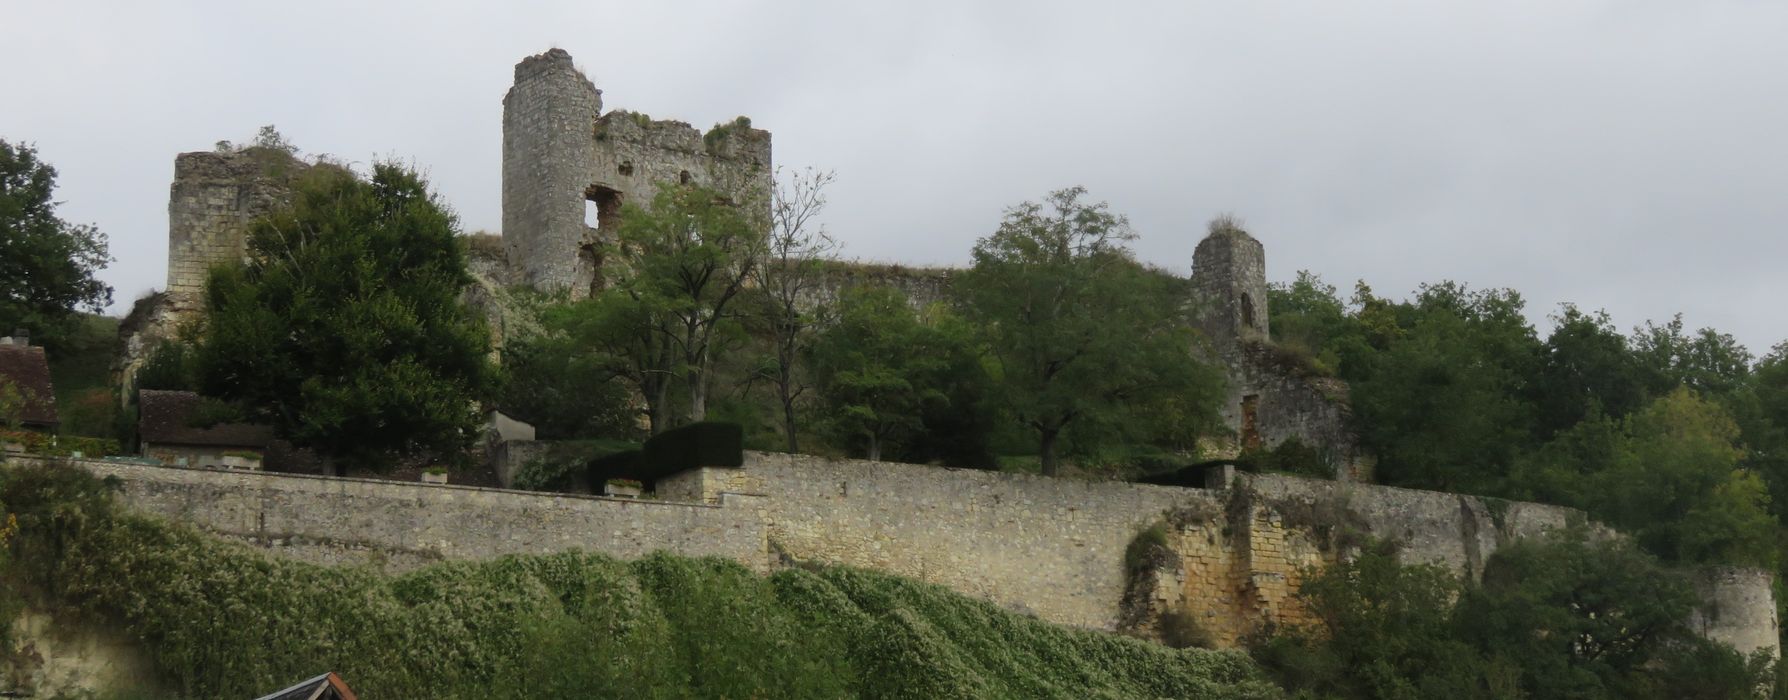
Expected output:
{"points": [[163, 417], [27, 369]]}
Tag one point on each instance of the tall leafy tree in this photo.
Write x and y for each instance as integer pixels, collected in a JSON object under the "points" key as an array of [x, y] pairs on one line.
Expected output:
{"points": [[1586, 368], [1441, 397], [47, 265], [1676, 482], [1079, 330], [346, 330], [687, 261], [879, 368]]}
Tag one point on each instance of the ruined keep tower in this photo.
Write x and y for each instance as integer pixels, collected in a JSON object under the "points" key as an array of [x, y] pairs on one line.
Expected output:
{"points": [[1229, 278], [568, 168], [215, 196]]}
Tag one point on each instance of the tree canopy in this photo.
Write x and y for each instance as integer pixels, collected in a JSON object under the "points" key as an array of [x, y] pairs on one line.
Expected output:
{"points": [[47, 265], [1081, 333], [346, 331]]}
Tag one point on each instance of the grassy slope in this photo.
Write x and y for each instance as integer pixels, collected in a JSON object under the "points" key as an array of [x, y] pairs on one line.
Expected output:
{"points": [[220, 620]]}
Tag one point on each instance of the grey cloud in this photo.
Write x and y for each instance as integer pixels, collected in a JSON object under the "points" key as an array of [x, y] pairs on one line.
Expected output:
{"points": [[1620, 155]]}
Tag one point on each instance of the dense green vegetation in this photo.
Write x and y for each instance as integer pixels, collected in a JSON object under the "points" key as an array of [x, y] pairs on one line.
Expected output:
{"points": [[47, 265], [1566, 617], [707, 321], [346, 331], [218, 620], [1675, 437]]}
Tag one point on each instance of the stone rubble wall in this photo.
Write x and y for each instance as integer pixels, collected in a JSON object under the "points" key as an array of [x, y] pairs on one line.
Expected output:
{"points": [[399, 526], [1055, 548]]}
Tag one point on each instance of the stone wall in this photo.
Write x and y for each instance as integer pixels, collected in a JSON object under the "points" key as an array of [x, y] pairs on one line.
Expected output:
{"points": [[561, 153], [1052, 547], [401, 525], [1055, 548]]}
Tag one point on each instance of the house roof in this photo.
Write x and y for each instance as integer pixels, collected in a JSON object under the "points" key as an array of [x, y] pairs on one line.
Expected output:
{"points": [[165, 417], [27, 369], [325, 687]]}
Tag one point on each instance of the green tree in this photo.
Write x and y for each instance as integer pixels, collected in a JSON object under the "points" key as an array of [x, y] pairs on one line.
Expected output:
{"points": [[1440, 395], [1383, 632], [1586, 368], [1307, 316], [878, 367], [686, 261], [47, 265], [1676, 483], [345, 330], [1561, 617], [1079, 331], [554, 383], [1709, 361]]}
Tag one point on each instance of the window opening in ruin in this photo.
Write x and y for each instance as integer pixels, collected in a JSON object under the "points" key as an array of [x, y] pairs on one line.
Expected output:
{"points": [[626, 169], [1247, 311], [602, 207], [1251, 422], [683, 177]]}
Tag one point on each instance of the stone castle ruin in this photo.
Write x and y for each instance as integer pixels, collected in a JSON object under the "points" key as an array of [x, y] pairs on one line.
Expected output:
{"points": [[1271, 395], [1233, 551], [568, 168]]}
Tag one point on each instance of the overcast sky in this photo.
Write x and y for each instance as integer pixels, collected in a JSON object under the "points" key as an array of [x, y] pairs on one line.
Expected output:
{"points": [[1628, 155]]}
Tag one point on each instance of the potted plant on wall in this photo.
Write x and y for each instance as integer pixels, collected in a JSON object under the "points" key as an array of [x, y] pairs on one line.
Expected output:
{"points": [[623, 488], [434, 475]]}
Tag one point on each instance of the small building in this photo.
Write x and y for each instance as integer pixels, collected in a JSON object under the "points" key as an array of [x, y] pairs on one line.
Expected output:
{"points": [[25, 386], [325, 687], [168, 430]]}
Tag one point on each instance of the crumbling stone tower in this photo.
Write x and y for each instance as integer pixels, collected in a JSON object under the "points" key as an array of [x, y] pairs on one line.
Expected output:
{"points": [[568, 168], [1272, 395], [1229, 277], [215, 195]]}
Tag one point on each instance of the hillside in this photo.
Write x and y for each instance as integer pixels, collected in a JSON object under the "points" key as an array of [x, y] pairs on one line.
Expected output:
{"points": [[219, 620]]}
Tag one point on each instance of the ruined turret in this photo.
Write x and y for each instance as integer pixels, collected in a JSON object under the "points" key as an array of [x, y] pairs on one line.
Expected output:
{"points": [[1229, 279], [568, 168]]}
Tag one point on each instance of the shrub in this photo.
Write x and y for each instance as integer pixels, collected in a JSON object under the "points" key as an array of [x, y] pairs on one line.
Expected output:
{"points": [[618, 465], [707, 444]]}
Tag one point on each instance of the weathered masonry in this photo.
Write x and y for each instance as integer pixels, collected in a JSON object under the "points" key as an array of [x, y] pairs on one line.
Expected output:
{"points": [[1054, 548], [1271, 395], [568, 167]]}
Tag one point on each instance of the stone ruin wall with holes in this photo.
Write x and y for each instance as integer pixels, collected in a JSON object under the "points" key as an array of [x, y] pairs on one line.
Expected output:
{"points": [[562, 156]]}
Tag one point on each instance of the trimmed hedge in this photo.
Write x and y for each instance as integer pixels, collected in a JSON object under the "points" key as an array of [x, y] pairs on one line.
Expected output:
{"points": [[619, 465], [707, 444]]}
